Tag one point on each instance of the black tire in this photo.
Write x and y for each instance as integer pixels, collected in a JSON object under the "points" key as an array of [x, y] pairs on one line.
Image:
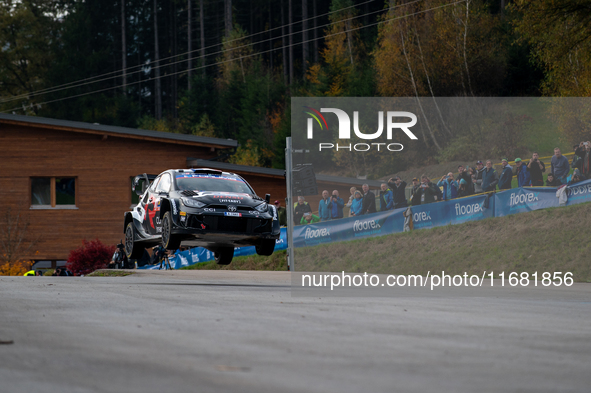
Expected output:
{"points": [[169, 241], [223, 256], [266, 247], [133, 249]]}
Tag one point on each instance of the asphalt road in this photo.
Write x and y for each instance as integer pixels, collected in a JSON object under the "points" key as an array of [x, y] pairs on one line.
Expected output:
{"points": [[215, 331]]}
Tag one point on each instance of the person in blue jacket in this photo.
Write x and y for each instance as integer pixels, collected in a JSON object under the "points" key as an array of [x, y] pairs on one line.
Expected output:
{"points": [[336, 205], [523, 176], [386, 198], [323, 210], [357, 204], [450, 186]]}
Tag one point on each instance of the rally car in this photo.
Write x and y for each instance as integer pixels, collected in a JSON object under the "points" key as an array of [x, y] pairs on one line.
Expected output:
{"points": [[199, 207]]}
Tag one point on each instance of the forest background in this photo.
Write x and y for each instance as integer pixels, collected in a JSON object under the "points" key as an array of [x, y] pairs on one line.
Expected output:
{"points": [[228, 68]]}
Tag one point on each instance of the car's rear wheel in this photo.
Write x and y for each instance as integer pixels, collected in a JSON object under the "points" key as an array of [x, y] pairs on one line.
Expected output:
{"points": [[133, 249], [265, 247], [169, 241], [223, 256]]}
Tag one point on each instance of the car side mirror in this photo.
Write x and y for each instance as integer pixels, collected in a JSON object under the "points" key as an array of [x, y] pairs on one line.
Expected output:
{"points": [[268, 198]]}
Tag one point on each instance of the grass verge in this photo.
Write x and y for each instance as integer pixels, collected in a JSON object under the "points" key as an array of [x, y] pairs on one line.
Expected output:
{"points": [[109, 273], [550, 240], [277, 261]]}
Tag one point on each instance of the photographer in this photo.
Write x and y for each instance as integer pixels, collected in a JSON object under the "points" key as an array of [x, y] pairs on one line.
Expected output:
{"points": [[119, 260], [584, 152], [450, 186], [336, 205], [536, 169], [397, 186], [159, 253]]}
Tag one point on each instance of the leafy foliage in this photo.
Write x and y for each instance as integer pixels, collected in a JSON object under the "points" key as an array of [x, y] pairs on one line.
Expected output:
{"points": [[92, 255], [15, 268]]}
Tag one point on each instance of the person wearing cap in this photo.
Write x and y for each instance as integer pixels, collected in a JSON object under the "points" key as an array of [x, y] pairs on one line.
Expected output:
{"points": [[478, 175], [523, 177], [281, 214], [398, 188], [506, 175], [536, 169], [463, 174]]}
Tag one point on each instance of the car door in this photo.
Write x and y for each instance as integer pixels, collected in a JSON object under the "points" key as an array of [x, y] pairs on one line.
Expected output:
{"points": [[162, 191], [149, 205]]}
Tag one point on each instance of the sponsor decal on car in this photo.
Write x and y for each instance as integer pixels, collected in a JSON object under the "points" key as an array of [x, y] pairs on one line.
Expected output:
{"points": [[232, 214], [183, 214]]}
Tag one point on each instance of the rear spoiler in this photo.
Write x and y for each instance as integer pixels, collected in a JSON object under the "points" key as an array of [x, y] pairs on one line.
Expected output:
{"points": [[148, 179]]}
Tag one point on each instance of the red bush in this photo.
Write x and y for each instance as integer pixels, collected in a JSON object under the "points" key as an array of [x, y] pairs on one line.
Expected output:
{"points": [[91, 256]]}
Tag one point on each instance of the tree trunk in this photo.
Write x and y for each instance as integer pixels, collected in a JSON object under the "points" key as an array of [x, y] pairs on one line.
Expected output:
{"points": [[123, 48], [157, 83], [414, 85], [202, 34], [174, 79], [290, 22], [305, 50], [283, 45], [271, 37], [228, 17], [189, 45], [315, 46]]}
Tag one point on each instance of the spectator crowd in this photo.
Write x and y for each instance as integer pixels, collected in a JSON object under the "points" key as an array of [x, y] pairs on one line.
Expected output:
{"points": [[483, 178]]}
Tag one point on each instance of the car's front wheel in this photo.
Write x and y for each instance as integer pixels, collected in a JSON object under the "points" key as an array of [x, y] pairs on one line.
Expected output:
{"points": [[223, 256], [265, 247], [169, 241], [133, 249]]}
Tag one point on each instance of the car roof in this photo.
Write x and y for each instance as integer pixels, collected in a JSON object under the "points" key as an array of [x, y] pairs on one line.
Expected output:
{"points": [[204, 170]]}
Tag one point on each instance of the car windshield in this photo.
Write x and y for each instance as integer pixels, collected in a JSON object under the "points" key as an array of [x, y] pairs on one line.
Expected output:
{"points": [[208, 182]]}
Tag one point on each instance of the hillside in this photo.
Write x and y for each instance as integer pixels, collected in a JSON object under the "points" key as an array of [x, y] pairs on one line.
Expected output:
{"points": [[551, 240]]}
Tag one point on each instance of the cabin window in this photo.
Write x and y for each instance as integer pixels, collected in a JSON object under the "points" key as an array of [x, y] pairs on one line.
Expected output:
{"points": [[53, 192]]}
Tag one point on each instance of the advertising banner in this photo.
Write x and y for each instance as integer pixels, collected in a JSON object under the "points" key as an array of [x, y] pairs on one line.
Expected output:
{"points": [[579, 193], [200, 254], [525, 199]]}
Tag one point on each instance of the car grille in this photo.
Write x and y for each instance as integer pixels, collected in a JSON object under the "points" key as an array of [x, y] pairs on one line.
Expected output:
{"points": [[231, 224]]}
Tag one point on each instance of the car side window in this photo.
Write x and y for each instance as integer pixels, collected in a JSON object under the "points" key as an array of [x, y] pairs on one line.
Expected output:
{"points": [[154, 184], [164, 184]]}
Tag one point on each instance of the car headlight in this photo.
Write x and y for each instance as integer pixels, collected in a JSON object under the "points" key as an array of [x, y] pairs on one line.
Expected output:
{"points": [[192, 202], [262, 207]]}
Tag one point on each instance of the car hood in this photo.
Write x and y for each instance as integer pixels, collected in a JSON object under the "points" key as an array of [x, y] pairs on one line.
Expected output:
{"points": [[225, 198]]}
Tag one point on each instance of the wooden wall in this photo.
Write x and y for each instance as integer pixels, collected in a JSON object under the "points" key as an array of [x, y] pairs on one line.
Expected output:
{"points": [[103, 168]]}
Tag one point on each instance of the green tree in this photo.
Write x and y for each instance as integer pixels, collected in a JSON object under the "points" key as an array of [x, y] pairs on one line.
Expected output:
{"points": [[27, 31]]}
